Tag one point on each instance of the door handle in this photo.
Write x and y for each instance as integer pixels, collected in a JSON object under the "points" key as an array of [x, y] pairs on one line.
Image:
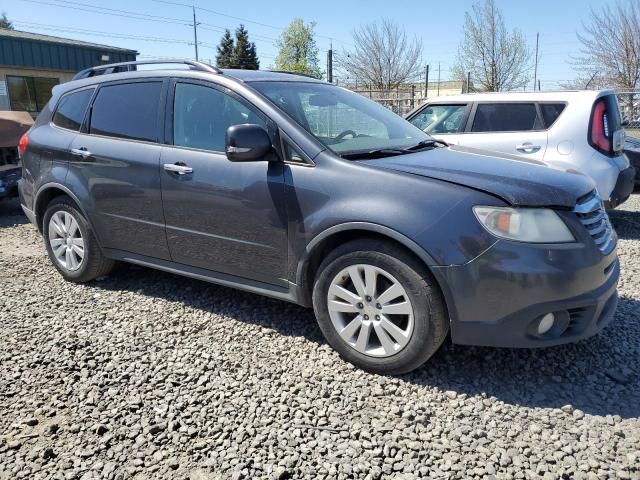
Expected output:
{"points": [[177, 168], [527, 147], [81, 152]]}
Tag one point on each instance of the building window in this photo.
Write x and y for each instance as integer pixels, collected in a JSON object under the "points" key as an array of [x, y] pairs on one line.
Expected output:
{"points": [[30, 94]]}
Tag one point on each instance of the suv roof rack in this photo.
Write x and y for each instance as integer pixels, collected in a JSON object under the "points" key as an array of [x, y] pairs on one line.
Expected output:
{"points": [[132, 66], [294, 73]]}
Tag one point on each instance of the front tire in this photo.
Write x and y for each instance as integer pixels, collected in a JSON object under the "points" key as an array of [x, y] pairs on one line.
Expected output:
{"points": [[70, 243], [379, 307]]}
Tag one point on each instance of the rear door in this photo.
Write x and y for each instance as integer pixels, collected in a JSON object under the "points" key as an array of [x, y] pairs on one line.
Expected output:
{"points": [[115, 160], [510, 127], [443, 121]]}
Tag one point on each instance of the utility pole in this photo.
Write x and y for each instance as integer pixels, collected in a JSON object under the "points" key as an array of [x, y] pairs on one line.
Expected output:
{"points": [[195, 31], [535, 71], [468, 81], [426, 82], [330, 63], [438, 79]]}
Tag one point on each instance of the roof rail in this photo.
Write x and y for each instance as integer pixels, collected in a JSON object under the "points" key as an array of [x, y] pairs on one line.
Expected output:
{"points": [[294, 73], [132, 66]]}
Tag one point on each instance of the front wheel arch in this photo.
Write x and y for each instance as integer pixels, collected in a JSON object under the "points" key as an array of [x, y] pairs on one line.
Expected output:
{"points": [[324, 243]]}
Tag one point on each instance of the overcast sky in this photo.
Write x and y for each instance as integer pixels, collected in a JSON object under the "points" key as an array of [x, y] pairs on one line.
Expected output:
{"points": [[437, 23]]}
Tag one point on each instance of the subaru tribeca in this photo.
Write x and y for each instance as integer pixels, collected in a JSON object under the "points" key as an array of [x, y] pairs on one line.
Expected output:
{"points": [[297, 189]]}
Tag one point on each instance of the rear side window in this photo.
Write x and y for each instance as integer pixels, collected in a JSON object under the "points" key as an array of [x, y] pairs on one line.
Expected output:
{"points": [[505, 117], [550, 112], [72, 108], [127, 111]]}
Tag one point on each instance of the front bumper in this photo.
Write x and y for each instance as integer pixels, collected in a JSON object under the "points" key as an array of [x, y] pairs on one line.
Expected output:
{"points": [[9, 183], [498, 299], [623, 189], [634, 160]]}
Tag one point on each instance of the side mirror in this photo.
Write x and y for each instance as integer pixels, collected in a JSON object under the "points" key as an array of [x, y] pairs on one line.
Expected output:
{"points": [[247, 143]]}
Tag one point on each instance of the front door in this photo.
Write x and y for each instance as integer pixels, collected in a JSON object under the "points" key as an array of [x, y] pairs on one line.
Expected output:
{"points": [[221, 216]]}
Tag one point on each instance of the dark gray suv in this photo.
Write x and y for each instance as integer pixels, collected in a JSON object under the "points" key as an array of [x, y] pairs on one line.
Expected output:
{"points": [[294, 188]]}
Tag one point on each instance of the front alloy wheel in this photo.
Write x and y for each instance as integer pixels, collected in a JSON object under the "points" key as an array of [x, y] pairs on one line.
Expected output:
{"points": [[379, 306], [370, 310]]}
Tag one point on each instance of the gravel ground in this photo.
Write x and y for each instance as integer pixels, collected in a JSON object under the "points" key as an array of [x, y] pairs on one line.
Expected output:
{"points": [[148, 375]]}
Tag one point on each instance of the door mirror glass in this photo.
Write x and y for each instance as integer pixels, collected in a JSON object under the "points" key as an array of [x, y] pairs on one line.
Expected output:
{"points": [[247, 143]]}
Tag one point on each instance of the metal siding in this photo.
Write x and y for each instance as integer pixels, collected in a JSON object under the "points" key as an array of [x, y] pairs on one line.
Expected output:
{"points": [[40, 54]]}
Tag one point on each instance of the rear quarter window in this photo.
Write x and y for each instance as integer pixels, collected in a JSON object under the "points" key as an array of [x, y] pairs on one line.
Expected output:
{"points": [[551, 112], [72, 109], [505, 117], [128, 110]]}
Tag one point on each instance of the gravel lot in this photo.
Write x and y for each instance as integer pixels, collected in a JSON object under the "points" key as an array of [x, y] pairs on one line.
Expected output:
{"points": [[148, 375]]}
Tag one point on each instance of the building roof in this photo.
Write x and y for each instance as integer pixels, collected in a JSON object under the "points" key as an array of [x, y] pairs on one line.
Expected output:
{"points": [[17, 34]]}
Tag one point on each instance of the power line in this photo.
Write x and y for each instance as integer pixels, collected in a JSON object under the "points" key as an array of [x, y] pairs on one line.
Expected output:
{"points": [[98, 33], [135, 16]]}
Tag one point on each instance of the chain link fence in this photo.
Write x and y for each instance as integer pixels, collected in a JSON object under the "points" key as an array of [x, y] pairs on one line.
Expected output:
{"points": [[398, 100], [629, 101]]}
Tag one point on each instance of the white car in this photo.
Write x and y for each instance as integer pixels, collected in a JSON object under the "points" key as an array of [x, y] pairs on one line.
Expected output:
{"points": [[569, 130]]}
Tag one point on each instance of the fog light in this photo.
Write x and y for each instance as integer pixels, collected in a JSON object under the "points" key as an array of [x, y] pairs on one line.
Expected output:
{"points": [[546, 323]]}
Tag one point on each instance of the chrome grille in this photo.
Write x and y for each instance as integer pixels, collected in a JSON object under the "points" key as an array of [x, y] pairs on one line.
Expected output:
{"points": [[593, 216]]}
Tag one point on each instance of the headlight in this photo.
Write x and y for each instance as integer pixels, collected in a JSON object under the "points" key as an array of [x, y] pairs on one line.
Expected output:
{"points": [[534, 225]]}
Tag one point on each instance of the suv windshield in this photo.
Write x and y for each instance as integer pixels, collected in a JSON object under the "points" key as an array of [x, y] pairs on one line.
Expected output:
{"points": [[344, 121]]}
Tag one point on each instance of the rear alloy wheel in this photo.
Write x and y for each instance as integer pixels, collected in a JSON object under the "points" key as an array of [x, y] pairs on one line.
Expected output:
{"points": [[71, 245], [379, 307], [65, 239]]}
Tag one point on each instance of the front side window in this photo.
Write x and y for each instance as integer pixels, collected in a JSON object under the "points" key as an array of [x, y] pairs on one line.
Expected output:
{"points": [[505, 117], [72, 108], [201, 116], [30, 94], [439, 119], [128, 110], [342, 120]]}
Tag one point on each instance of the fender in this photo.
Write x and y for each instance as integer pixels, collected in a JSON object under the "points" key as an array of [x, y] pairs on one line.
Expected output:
{"points": [[371, 227], [59, 186]]}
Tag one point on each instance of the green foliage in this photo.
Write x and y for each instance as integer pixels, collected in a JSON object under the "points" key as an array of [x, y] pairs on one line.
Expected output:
{"points": [[5, 22], [245, 56], [297, 49], [224, 57], [240, 53]]}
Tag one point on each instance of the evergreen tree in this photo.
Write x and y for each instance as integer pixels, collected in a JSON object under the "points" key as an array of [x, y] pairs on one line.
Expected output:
{"points": [[225, 55], [245, 51], [5, 22]]}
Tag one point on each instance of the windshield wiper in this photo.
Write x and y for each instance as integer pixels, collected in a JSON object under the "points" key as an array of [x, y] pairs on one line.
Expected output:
{"points": [[376, 153], [426, 143], [389, 152]]}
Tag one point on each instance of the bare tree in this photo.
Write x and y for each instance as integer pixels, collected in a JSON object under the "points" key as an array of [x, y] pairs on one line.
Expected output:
{"points": [[611, 45], [382, 56], [497, 59]]}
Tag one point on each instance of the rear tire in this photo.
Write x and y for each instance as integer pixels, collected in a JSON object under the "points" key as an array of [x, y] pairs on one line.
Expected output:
{"points": [[379, 307], [71, 245]]}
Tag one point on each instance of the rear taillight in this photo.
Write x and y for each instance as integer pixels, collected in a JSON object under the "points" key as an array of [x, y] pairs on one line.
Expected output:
{"points": [[599, 136], [23, 144]]}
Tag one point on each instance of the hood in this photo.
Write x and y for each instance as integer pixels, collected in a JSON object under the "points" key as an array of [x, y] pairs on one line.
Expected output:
{"points": [[517, 181]]}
